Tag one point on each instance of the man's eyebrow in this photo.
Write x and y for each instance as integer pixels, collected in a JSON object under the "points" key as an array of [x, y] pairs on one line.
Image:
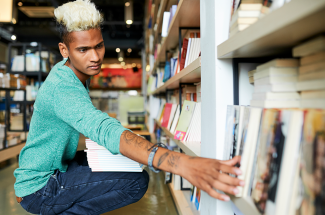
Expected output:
{"points": [[88, 47]]}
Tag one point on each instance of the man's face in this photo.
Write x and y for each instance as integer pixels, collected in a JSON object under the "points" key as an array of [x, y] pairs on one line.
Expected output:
{"points": [[86, 51]]}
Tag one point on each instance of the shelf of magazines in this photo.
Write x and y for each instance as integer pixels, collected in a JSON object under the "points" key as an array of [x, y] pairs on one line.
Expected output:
{"points": [[190, 148]]}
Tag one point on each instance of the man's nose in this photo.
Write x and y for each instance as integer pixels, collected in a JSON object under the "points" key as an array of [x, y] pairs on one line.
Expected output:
{"points": [[94, 55]]}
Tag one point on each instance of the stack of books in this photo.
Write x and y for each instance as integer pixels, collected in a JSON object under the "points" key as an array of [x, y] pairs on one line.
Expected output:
{"points": [[102, 160], [245, 14], [167, 19], [275, 84], [311, 72]]}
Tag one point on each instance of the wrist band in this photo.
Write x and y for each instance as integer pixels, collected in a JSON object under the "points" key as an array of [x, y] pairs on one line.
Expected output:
{"points": [[152, 155]]}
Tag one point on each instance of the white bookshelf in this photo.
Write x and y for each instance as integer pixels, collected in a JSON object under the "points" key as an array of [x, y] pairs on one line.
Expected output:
{"points": [[187, 15], [190, 148], [278, 31], [190, 74], [182, 201]]}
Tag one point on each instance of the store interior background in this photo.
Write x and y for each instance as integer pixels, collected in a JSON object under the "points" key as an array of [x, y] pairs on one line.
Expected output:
{"points": [[112, 91]]}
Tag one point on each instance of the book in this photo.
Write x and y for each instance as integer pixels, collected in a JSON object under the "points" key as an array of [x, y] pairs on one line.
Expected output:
{"points": [[316, 94], [251, 80], [311, 85], [279, 62], [243, 21], [164, 30], [172, 114], [312, 76], [275, 96], [312, 103], [102, 160], [275, 80], [166, 115], [247, 149], [275, 103], [232, 121], [184, 52], [286, 87], [194, 131], [246, 14], [234, 129], [312, 68], [260, 174], [274, 71], [278, 153], [314, 58], [175, 120], [310, 198], [310, 47], [184, 120]]}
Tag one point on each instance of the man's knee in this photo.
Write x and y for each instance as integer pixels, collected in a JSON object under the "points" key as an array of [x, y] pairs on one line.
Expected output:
{"points": [[141, 181]]}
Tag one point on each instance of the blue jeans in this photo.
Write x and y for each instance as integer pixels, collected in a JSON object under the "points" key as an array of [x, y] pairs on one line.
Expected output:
{"points": [[80, 191]]}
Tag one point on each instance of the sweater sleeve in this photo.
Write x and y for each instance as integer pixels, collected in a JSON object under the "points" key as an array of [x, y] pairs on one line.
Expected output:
{"points": [[73, 105]]}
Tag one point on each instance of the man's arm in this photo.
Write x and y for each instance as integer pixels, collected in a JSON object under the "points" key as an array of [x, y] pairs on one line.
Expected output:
{"points": [[203, 173]]}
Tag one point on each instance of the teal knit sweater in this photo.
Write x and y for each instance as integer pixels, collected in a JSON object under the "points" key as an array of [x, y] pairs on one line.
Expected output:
{"points": [[62, 110]]}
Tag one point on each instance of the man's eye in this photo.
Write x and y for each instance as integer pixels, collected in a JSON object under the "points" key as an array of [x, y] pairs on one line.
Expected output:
{"points": [[100, 45], [82, 50]]}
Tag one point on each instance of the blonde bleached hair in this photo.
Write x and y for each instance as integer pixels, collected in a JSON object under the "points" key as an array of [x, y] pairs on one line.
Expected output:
{"points": [[80, 15]]}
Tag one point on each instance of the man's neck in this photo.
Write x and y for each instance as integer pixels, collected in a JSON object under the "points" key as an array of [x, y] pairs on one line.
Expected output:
{"points": [[81, 76]]}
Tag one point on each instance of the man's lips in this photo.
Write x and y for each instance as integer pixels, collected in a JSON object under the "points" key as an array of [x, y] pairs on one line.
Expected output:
{"points": [[96, 66]]}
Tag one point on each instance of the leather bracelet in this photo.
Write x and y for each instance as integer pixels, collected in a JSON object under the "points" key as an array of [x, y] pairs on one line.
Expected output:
{"points": [[152, 155]]}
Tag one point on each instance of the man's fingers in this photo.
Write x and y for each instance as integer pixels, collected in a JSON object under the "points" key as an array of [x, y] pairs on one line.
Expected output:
{"points": [[224, 187], [228, 169], [224, 178], [235, 160], [209, 190]]}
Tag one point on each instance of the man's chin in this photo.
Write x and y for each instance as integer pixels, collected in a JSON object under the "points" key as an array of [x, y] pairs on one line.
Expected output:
{"points": [[93, 72]]}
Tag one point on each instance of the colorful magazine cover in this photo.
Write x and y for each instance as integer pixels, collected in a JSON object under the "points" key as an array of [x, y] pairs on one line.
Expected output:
{"points": [[270, 141], [184, 119], [311, 186]]}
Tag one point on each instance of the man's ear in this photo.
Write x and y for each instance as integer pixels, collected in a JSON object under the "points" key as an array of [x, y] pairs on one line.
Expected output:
{"points": [[64, 50]]}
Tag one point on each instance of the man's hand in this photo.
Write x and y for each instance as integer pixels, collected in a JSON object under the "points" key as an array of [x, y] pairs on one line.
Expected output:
{"points": [[206, 174], [210, 174]]}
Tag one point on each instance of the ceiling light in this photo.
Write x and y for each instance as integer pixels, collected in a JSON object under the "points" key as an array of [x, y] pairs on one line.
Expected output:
{"points": [[120, 59], [13, 21], [134, 65], [123, 63], [20, 4], [28, 51], [129, 50], [127, 4], [33, 44], [117, 50], [128, 12], [13, 37], [148, 68]]}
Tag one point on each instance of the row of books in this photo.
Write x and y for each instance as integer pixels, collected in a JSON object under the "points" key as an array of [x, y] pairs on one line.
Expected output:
{"points": [[282, 153], [33, 62], [191, 50], [167, 19], [246, 12], [292, 83], [184, 125]]}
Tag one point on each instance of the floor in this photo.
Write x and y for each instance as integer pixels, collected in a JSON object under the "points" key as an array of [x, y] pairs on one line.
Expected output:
{"points": [[157, 200]]}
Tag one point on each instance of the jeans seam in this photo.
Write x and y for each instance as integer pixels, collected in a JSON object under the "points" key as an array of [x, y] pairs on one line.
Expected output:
{"points": [[31, 203], [121, 201]]}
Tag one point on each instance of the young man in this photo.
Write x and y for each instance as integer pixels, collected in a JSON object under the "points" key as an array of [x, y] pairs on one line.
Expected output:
{"points": [[52, 178]]}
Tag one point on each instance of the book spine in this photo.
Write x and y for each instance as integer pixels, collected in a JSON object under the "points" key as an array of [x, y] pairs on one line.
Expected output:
{"points": [[183, 56]]}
